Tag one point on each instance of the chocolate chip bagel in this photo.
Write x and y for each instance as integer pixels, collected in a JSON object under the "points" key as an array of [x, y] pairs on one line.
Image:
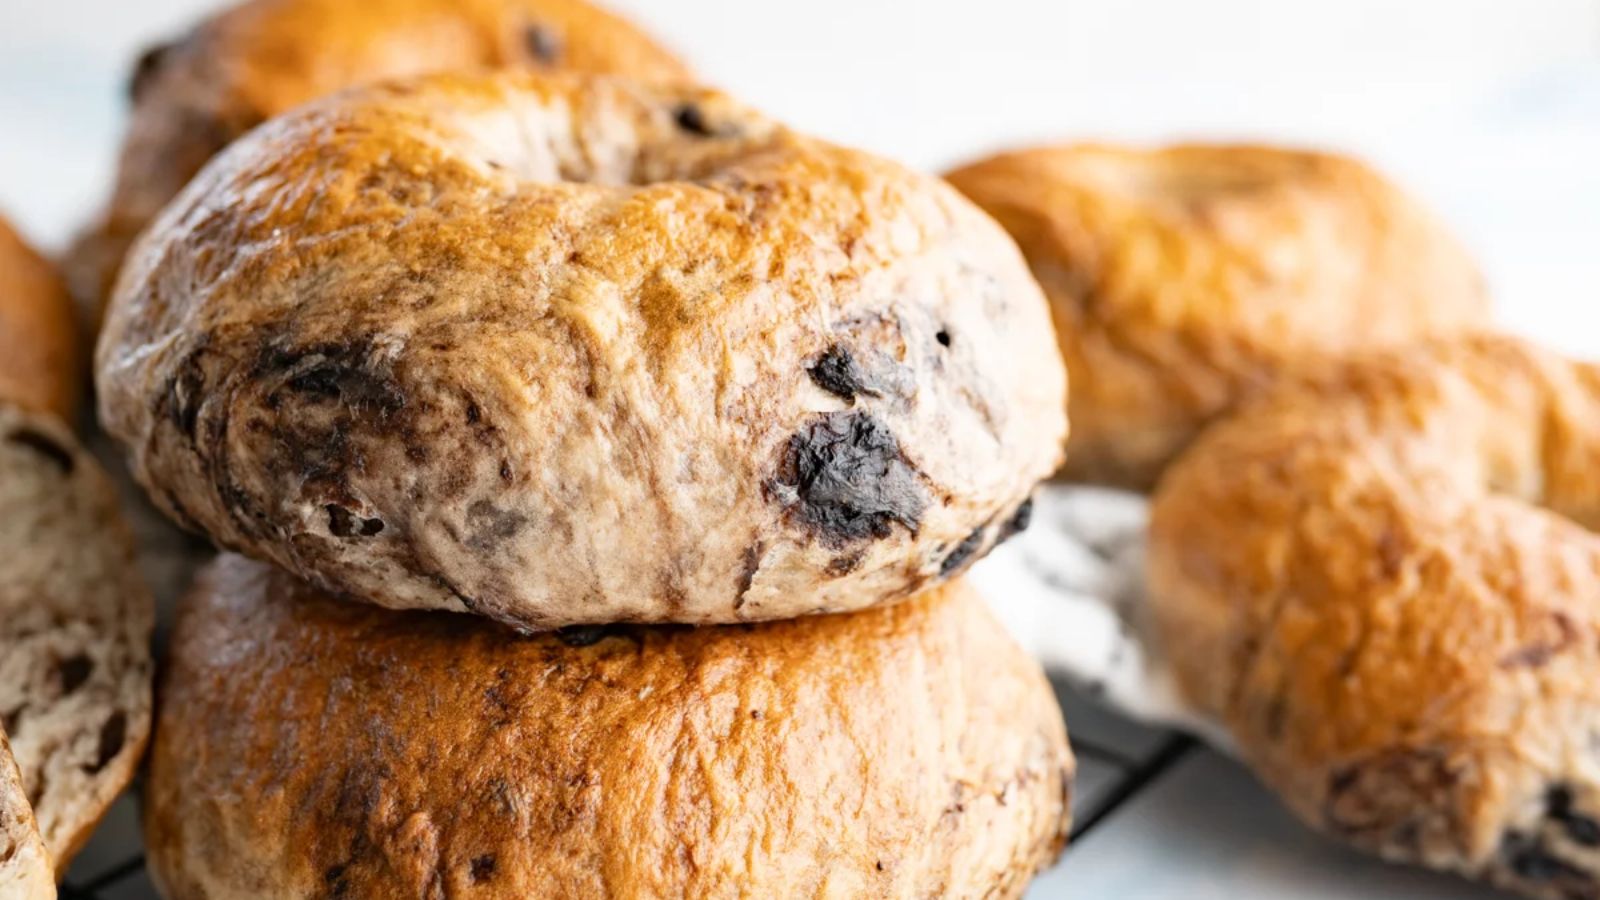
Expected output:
{"points": [[570, 350], [241, 66], [40, 363], [1185, 277], [1381, 581], [310, 747]]}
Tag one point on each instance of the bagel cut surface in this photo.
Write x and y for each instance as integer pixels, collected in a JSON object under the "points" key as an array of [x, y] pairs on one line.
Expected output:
{"points": [[260, 58], [309, 747], [1379, 580], [563, 351], [1186, 277]]}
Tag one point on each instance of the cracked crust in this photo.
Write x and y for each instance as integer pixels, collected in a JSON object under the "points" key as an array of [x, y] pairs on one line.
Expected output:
{"points": [[40, 364], [24, 865], [258, 59], [309, 747], [1184, 277], [75, 623], [563, 351], [1380, 580]]}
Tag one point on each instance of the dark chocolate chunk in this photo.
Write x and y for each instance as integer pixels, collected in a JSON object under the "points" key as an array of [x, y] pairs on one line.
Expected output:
{"points": [[839, 372], [145, 69], [73, 672], [1018, 523], [691, 118], [543, 43], [750, 564], [963, 552], [850, 478], [46, 446], [348, 372], [1529, 858], [1581, 828]]}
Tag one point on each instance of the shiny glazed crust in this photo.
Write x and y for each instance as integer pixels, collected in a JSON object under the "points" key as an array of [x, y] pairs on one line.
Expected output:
{"points": [[310, 747], [260, 58], [1182, 278], [1377, 579], [564, 350], [40, 363]]}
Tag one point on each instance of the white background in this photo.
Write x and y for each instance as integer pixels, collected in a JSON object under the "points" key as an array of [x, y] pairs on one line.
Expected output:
{"points": [[1489, 109]]}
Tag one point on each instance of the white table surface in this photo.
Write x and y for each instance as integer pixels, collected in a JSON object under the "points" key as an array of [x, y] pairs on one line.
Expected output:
{"points": [[1490, 111]]}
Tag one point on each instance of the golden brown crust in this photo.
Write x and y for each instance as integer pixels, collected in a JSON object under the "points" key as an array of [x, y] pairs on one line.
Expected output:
{"points": [[1182, 277], [25, 872], [566, 350], [1377, 579], [308, 747], [263, 57], [40, 366]]}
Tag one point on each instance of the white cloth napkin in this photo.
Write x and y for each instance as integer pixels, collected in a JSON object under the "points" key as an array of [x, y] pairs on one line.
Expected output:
{"points": [[1071, 590]]}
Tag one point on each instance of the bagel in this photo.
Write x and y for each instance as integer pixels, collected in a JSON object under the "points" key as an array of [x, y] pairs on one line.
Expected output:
{"points": [[75, 625], [1185, 277], [1376, 577], [40, 364], [252, 61], [308, 746], [573, 350], [24, 866]]}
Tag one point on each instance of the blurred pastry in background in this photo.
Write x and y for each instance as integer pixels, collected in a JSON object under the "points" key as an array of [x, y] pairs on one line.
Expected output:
{"points": [[41, 367], [1379, 579], [1183, 277], [247, 63]]}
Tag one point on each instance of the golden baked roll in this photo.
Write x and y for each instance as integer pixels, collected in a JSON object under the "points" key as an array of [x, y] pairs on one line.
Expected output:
{"points": [[1379, 579], [571, 350], [260, 58], [40, 365], [307, 746], [1183, 277]]}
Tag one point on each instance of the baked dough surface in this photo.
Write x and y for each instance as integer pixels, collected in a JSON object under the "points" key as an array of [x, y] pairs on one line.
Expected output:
{"points": [[564, 351], [1186, 277], [309, 747], [1379, 579]]}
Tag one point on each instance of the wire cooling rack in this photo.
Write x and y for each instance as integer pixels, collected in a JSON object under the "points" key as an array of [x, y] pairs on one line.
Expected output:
{"points": [[1117, 760]]}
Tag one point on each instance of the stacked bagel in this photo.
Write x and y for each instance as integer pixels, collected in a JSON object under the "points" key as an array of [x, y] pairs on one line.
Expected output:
{"points": [[601, 458], [1368, 556], [75, 619]]}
